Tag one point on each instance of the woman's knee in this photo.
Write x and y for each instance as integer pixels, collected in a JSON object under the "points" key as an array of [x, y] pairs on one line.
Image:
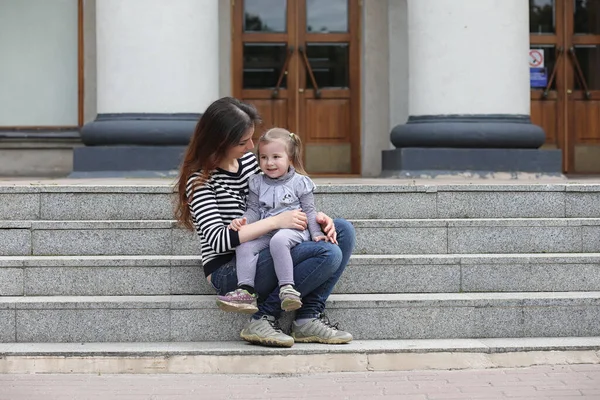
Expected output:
{"points": [[345, 231], [331, 255], [323, 252]]}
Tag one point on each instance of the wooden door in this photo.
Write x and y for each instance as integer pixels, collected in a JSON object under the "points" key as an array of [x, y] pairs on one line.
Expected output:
{"points": [[583, 85], [298, 62], [567, 32]]}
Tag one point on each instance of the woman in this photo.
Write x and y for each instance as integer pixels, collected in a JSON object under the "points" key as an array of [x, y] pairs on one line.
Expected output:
{"points": [[212, 189]]}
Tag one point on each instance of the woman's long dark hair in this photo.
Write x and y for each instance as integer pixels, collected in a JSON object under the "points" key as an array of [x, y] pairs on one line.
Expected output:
{"points": [[222, 126]]}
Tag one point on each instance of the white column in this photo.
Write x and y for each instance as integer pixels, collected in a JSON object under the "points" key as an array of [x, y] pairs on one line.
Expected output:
{"points": [[157, 56], [468, 57]]}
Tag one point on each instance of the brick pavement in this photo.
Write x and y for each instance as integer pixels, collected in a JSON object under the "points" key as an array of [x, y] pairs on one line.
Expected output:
{"points": [[574, 382]]}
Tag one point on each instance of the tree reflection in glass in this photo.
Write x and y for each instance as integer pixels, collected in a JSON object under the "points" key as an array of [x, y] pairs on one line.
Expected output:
{"points": [[542, 16], [587, 17], [265, 16]]}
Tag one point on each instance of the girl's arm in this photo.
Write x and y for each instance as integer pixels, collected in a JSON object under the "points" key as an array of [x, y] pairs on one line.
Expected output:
{"points": [[307, 202], [305, 187], [294, 219]]}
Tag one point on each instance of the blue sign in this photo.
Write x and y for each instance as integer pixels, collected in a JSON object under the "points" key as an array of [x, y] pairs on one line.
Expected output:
{"points": [[538, 77]]}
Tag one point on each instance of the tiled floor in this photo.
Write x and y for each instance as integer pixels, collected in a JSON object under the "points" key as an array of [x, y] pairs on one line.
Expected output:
{"points": [[576, 382]]}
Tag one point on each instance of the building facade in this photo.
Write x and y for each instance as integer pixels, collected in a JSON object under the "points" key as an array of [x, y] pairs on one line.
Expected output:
{"points": [[373, 87]]}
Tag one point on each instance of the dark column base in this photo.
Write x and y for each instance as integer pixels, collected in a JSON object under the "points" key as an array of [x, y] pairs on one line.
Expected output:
{"points": [[490, 131], [140, 129], [133, 145], [126, 161], [431, 162]]}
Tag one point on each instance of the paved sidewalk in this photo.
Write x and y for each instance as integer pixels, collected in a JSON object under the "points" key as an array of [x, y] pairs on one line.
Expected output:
{"points": [[574, 382]]}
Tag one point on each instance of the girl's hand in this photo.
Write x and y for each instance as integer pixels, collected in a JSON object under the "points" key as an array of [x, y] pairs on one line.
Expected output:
{"points": [[321, 237], [237, 223], [328, 227], [293, 219]]}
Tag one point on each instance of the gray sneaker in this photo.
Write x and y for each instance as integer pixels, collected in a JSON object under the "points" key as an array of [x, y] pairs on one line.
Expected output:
{"points": [[290, 298], [266, 331], [320, 330]]}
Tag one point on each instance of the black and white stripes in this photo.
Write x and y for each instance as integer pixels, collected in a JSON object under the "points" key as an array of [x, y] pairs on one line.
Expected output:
{"points": [[214, 205]]}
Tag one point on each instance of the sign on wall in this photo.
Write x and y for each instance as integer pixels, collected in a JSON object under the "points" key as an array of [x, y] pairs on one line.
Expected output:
{"points": [[536, 58], [538, 75]]}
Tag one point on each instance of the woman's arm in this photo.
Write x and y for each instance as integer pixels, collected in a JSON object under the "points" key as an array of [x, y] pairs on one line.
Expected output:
{"points": [[208, 220]]}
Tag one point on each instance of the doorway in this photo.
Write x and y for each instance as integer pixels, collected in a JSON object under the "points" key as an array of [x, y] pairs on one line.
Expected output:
{"points": [[298, 63], [565, 102]]}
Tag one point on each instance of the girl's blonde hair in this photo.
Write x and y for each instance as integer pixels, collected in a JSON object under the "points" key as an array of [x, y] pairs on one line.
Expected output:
{"points": [[293, 146]]}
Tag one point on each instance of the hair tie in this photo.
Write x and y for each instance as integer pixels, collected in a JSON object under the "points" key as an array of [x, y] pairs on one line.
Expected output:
{"points": [[292, 135]]}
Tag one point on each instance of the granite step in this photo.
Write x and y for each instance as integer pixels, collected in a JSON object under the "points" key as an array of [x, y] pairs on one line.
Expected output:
{"points": [[390, 236], [165, 275], [81, 319], [241, 358], [353, 201]]}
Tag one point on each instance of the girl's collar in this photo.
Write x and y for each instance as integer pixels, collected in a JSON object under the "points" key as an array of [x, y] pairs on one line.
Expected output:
{"points": [[282, 179]]}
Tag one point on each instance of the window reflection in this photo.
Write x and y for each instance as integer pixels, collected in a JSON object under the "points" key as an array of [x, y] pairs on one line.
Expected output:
{"points": [[326, 16], [330, 64], [265, 16], [587, 16], [262, 65], [589, 60], [542, 16]]}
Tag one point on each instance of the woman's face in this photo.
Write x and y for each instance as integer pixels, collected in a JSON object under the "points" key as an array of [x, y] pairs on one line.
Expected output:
{"points": [[245, 145]]}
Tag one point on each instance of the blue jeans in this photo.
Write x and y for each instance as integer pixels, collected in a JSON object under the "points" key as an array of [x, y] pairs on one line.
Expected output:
{"points": [[317, 268]]}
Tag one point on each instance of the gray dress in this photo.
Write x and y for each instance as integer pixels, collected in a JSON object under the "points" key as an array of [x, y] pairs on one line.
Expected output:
{"points": [[269, 197]]}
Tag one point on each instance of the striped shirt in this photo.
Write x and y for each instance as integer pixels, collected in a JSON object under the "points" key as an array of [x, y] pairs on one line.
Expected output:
{"points": [[214, 205]]}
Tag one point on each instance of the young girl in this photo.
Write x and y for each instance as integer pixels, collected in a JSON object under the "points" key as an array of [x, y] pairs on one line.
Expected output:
{"points": [[282, 186]]}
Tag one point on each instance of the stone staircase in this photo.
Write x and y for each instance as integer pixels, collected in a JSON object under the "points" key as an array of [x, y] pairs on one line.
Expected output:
{"points": [[518, 263]]}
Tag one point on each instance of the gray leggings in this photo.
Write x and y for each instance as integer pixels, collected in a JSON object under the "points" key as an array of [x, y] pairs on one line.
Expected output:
{"points": [[279, 243]]}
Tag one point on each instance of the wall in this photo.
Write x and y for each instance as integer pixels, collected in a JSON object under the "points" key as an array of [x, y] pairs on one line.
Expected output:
{"points": [[398, 49], [375, 110]]}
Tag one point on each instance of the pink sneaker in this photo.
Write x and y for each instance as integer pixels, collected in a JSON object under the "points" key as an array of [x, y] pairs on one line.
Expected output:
{"points": [[240, 300]]}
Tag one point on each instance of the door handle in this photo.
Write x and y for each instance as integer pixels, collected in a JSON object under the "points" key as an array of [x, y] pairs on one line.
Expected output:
{"points": [[310, 72], [569, 91], [283, 72]]}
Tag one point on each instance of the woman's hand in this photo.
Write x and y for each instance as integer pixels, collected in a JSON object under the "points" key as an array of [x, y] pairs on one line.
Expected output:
{"points": [[328, 227], [293, 219], [237, 223]]}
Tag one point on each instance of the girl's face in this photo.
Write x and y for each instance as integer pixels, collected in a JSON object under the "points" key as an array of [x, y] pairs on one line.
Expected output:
{"points": [[245, 145], [274, 161]]}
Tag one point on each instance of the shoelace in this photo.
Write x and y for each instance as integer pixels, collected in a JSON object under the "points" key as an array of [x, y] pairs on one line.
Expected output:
{"points": [[325, 320], [274, 323]]}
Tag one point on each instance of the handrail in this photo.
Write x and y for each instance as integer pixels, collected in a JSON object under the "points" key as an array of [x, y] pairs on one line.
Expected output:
{"points": [[310, 72], [283, 72], [579, 73]]}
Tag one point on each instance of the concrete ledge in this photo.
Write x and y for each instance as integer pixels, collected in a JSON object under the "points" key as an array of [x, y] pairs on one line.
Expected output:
{"points": [[391, 236], [242, 358], [368, 274], [431, 162], [79, 319], [145, 202]]}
